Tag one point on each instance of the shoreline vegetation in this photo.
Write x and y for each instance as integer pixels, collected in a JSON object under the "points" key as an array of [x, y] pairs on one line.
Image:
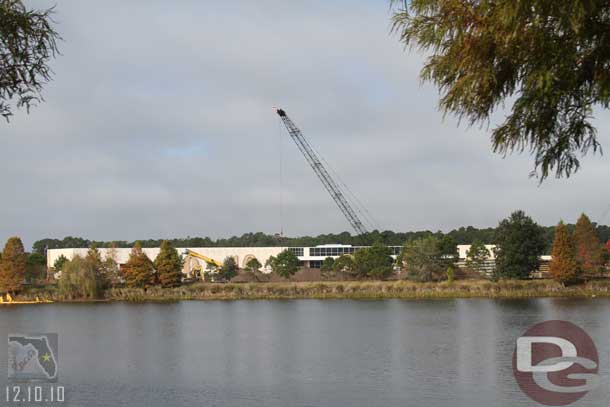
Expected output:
{"points": [[337, 290]]}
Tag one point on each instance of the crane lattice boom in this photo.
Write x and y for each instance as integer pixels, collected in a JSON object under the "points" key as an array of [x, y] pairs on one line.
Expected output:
{"points": [[331, 186]]}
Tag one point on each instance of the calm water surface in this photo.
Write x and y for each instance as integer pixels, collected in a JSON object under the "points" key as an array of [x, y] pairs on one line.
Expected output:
{"points": [[300, 353]]}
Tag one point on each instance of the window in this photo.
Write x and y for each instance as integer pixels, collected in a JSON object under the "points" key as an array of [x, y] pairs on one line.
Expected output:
{"points": [[298, 251]]}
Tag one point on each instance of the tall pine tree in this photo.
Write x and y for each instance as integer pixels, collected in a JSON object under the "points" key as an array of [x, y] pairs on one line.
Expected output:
{"points": [[12, 266], [589, 250], [563, 267], [168, 265], [139, 271]]}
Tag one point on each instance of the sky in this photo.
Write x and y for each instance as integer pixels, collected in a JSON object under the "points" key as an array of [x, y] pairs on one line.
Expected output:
{"points": [[159, 124]]}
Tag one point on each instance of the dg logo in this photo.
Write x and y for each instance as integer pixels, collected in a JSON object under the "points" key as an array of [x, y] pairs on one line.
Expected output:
{"points": [[556, 363]]}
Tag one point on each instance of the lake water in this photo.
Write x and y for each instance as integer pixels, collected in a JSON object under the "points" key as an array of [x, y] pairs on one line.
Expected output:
{"points": [[300, 353]]}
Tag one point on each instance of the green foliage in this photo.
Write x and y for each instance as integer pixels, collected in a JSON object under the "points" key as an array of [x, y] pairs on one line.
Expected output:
{"points": [[548, 58], [59, 263], [229, 269], [423, 259], [168, 265], [80, 279], [36, 268], [285, 264], [111, 268], [253, 264], [12, 266], [520, 243], [139, 270], [28, 44], [327, 265], [589, 249], [564, 267], [450, 275], [462, 235], [344, 263], [375, 262], [476, 257]]}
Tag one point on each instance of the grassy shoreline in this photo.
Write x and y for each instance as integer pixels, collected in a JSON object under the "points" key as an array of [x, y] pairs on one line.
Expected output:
{"points": [[339, 290]]}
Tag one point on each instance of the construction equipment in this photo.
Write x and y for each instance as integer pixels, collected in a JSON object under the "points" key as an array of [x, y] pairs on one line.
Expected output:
{"points": [[207, 259], [314, 161]]}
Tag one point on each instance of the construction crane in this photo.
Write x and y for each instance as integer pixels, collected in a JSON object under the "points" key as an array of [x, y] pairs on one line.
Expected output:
{"points": [[314, 161]]}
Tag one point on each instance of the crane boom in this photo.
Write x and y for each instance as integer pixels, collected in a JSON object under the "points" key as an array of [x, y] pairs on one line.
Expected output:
{"points": [[331, 186]]}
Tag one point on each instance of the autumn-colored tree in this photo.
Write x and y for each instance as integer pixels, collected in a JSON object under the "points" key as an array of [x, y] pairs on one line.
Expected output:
{"points": [[563, 267], [589, 250], [168, 265], [139, 270], [608, 246], [12, 265]]}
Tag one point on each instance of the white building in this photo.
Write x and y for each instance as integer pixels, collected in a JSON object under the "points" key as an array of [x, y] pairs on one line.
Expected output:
{"points": [[308, 256]]}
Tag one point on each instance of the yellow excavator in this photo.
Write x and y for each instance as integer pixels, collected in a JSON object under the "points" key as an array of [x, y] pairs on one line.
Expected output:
{"points": [[208, 260], [9, 301]]}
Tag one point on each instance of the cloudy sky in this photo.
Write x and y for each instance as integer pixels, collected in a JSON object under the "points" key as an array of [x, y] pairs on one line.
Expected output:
{"points": [[159, 124]]}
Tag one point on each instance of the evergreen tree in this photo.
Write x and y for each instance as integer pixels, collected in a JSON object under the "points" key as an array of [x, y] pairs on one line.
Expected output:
{"points": [[375, 262], [229, 269], [12, 266], [327, 265], [36, 268], [477, 255], [253, 265], [344, 264], [139, 270], [59, 263], [423, 259], [168, 265], [285, 264], [520, 243], [589, 250], [563, 267]]}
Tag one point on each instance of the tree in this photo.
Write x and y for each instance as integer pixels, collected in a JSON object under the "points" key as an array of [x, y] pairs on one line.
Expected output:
{"points": [[519, 244], [327, 265], [375, 262], [477, 255], [589, 250], [36, 267], [139, 270], [28, 43], [80, 279], [12, 266], [253, 265], [229, 269], [285, 264], [344, 264], [548, 58], [59, 263], [423, 259], [111, 267], [563, 267], [168, 265]]}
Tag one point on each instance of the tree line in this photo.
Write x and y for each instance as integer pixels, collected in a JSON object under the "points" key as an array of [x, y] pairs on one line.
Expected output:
{"points": [[463, 235]]}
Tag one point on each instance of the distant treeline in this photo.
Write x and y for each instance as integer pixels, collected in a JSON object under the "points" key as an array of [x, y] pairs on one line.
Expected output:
{"points": [[463, 235]]}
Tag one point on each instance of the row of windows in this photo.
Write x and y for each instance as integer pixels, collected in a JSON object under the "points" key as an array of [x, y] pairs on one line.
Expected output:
{"points": [[338, 251], [298, 251]]}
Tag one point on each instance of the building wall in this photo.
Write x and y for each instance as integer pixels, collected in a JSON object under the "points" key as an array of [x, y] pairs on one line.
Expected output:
{"points": [[121, 255]]}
